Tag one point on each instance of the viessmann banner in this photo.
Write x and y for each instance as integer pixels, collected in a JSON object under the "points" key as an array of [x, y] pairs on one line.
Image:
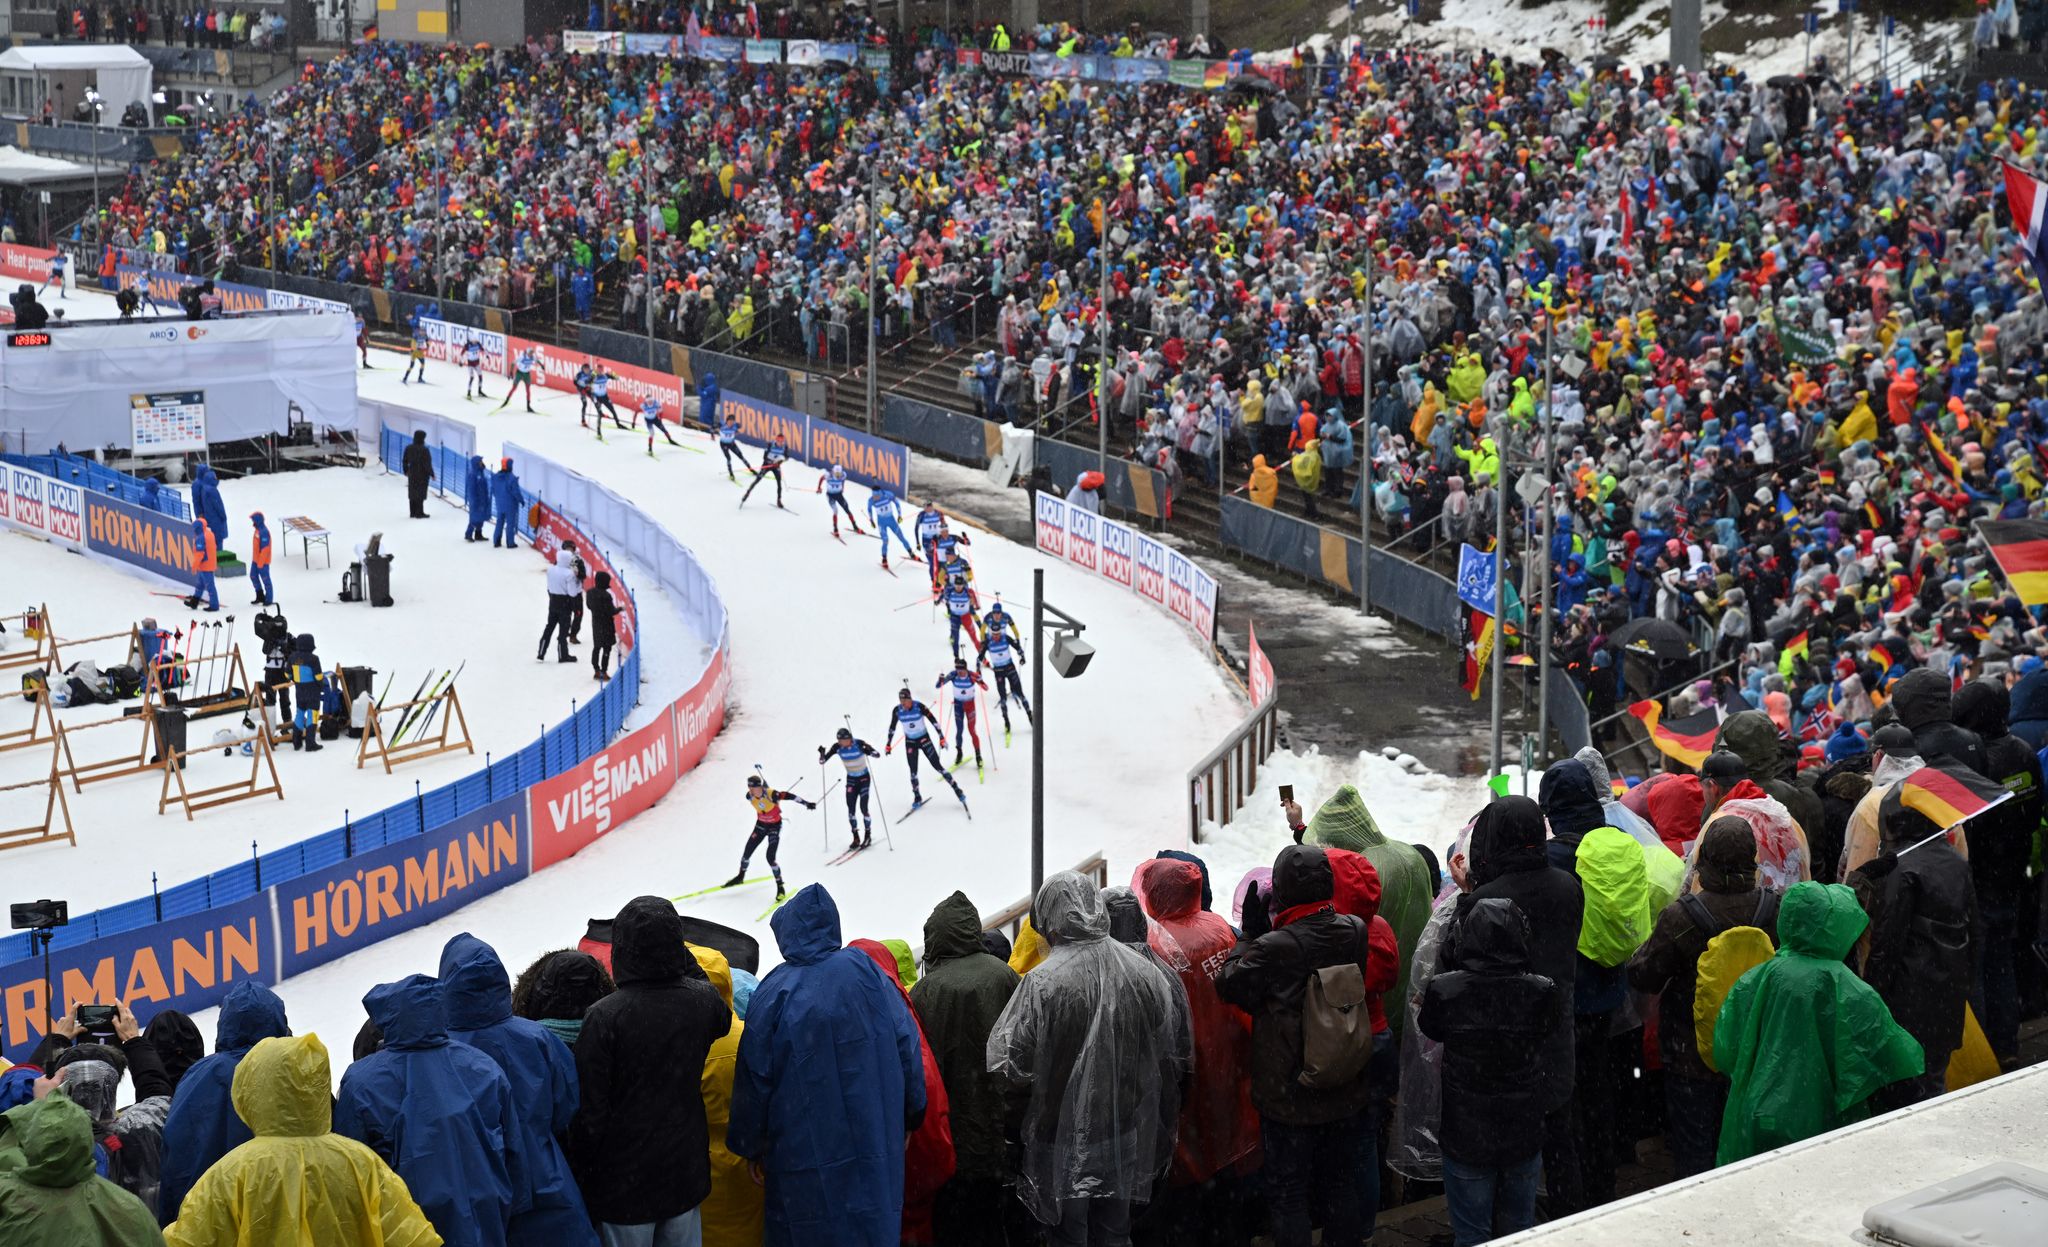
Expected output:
{"points": [[1121, 554]]}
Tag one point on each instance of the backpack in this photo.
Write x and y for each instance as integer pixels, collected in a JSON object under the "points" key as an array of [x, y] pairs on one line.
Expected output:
{"points": [[1731, 952], [1336, 1027]]}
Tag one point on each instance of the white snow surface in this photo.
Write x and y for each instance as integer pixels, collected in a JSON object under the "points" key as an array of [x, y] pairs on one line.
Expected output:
{"points": [[455, 602], [818, 631]]}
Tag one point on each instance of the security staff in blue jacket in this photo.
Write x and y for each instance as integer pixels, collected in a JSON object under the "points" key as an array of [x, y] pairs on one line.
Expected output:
{"points": [[505, 503]]}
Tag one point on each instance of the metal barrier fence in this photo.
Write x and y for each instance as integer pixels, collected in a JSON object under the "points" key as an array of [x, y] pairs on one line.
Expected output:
{"points": [[99, 478], [1220, 783], [1409, 592], [567, 744]]}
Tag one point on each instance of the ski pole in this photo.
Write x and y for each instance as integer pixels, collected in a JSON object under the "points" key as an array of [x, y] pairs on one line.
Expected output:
{"points": [[824, 820]]}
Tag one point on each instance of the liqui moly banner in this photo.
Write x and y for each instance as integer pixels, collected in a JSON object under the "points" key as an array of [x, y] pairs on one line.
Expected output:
{"points": [[42, 506], [1263, 679], [1122, 555], [447, 341]]}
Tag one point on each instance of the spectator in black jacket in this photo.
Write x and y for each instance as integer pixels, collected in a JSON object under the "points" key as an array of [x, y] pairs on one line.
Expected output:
{"points": [[1841, 787], [639, 1144], [2001, 840], [1507, 860], [1923, 702], [1668, 963], [132, 1138], [1493, 1018], [1923, 914], [604, 625], [1319, 1146], [418, 462]]}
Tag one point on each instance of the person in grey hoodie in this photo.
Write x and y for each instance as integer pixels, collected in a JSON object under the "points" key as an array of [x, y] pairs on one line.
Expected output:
{"points": [[563, 592]]}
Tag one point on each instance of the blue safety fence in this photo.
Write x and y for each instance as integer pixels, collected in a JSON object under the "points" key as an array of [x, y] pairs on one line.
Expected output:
{"points": [[556, 749], [101, 479]]}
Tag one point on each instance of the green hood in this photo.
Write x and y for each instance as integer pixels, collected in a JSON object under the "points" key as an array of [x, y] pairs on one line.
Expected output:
{"points": [[1754, 738], [953, 931], [1344, 823], [1615, 877], [1820, 920], [55, 1136]]}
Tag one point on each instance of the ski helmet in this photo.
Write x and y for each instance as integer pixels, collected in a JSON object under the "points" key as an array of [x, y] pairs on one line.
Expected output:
{"points": [[902, 692], [959, 664], [843, 734], [755, 781]]}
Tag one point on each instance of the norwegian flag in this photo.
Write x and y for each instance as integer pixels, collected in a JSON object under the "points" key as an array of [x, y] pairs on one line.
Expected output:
{"points": [[2028, 199]]}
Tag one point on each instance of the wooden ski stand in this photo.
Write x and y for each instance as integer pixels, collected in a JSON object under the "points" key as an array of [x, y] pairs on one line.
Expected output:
{"points": [[132, 656], [119, 767], [234, 695], [54, 807], [42, 724], [375, 744], [33, 625], [261, 759]]}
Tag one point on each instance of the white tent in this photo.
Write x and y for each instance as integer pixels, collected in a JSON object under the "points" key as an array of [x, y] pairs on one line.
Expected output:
{"points": [[121, 74]]}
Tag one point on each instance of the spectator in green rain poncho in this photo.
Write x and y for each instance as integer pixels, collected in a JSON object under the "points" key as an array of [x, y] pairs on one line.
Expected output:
{"points": [[1344, 823], [54, 1198], [1805, 1043]]}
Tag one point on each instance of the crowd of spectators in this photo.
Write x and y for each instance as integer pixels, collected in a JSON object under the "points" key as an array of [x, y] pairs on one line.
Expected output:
{"points": [[169, 22], [1163, 1062]]}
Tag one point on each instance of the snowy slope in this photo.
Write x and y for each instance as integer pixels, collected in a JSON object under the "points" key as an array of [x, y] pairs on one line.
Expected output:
{"points": [[819, 630], [456, 602]]}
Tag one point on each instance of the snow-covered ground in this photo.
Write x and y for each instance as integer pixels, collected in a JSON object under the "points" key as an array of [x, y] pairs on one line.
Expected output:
{"points": [[456, 602], [819, 631]]}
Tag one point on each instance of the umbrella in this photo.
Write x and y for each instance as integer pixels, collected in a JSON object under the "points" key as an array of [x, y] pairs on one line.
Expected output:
{"points": [[1659, 638], [1255, 84]]}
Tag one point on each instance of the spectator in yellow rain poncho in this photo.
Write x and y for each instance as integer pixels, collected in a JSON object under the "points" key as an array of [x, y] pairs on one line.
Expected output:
{"points": [[297, 1183]]}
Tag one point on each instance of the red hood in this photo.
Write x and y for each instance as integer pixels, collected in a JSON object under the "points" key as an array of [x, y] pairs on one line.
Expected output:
{"points": [[1168, 888], [928, 1160], [1672, 804], [1357, 884]]}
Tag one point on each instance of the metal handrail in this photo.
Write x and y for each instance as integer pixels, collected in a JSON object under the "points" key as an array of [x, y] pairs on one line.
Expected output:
{"points": [[1220, 783], [1009, 917]]}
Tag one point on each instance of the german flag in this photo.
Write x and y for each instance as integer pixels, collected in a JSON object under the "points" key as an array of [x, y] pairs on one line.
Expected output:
{"points": [[1884, 660], [1941, 453], [1689, 740], [2021, 548], [1827, 477], [1798, 647], [1946, 795], [1875, 516]]}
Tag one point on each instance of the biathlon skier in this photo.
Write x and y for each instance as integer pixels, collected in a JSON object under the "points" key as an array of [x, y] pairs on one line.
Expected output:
{"points": [[859, 782], [912, 715], [767, 803], [965, 683]]}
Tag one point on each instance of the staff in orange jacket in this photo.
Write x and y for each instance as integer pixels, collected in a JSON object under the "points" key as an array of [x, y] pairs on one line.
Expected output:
{"points": [[204, 563], [259, 562]]}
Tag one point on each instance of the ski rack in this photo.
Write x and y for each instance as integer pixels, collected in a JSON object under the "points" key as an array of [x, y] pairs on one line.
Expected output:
{"points": [[43, 717], [234, 695], [35, 625], [375, 744], [261, 758], [133, 635], [119, 767], [55, 806]]}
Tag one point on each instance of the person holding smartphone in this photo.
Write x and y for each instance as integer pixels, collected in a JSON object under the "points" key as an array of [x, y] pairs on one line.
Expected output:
{"points": [[86, 1052]]}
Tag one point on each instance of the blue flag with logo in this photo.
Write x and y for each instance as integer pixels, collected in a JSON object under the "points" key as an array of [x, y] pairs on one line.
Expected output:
{"points": [[1478, 574]]}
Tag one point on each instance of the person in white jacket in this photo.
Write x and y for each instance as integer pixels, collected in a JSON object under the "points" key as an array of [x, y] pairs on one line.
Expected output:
{"points": [[563, 590]]}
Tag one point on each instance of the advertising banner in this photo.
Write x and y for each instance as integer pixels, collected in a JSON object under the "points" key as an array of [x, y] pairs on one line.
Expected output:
{"points": [[1118, 551], [139, 537], [1263, 680], [872, 461], [584, 802], [407, 883], [1081, 524], [764, 51], [1052, 525], [700, 713], [803, 52], [43, 506], [186, 963], [1150, 581], [631, 384], [21, 263], [446, 340], [548, 535]]}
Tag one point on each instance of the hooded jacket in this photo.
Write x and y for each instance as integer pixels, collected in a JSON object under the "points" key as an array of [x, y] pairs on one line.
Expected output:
{"points": [[1804, 1041], [1493, 1017], [477, 491], [476, 997], [963, 991], [2029, 713], [55, 1199], [2002, 838], [562, 576], [1264, 485], [296, 1183], [1923, 918], [505, 495], [1406, 894], [259, 540], [1093, 1037], [1668, 962], [928, 1162], [418, 463], [639, 1143], [207, 504], [1924, 704], [439, 1113], [1752, 736], [829, 1084], [731, 1215], [1218, 1126], [1613, 882], [1508, 861], [203, 1125], [1268, 977]]}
